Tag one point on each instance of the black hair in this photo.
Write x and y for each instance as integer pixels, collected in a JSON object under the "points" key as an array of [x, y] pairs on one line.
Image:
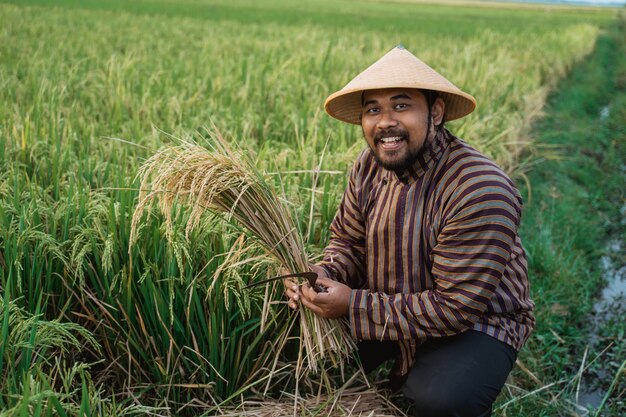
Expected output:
{"points": [[431, 96]]}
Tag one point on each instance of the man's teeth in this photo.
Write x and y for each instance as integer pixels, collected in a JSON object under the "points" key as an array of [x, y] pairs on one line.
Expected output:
{"points": [[391, 139]]}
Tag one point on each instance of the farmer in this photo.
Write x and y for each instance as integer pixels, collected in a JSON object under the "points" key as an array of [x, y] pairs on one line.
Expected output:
{"points": [[424, 259]]}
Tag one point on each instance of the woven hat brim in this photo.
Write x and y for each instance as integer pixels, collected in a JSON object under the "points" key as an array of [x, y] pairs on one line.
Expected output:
{"points": [[398, 68], [345, 105]]}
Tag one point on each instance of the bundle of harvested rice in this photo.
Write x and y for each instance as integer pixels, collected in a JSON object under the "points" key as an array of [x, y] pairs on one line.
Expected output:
{"points": [[222, 181]]}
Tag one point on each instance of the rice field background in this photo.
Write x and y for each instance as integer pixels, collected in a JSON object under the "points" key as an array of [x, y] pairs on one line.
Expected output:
{"points": [[91, 324]]}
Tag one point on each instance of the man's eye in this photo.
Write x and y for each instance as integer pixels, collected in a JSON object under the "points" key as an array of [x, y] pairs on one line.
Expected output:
{"points": [[371, 110], [401, 106]]}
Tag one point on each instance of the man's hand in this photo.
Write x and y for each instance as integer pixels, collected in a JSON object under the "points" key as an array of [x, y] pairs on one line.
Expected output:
{"points": [[332, 304], [292, 289]]}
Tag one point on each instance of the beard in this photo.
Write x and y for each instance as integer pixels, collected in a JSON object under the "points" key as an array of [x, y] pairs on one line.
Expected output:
{"points": [[399, 164], [401, 159]]}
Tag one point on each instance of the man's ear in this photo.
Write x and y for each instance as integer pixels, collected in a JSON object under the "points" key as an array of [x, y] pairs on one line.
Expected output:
{"points": [[438, 110]]}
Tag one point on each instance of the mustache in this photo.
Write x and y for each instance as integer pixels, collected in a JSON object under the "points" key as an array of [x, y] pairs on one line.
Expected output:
{"points": [[391, 132]]}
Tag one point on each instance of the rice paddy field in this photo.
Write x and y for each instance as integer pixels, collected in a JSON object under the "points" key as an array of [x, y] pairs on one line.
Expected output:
{"points": [[94, 323]]}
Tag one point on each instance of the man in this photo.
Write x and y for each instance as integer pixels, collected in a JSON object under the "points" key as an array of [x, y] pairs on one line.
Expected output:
{"points": [[424, 259]]}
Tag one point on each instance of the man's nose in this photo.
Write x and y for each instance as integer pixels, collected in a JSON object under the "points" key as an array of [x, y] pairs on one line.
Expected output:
{"points": [[386, 120]]}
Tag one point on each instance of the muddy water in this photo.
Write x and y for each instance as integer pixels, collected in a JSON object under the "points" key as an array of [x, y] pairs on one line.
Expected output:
{"points": [[614, 294], [612, 303]]}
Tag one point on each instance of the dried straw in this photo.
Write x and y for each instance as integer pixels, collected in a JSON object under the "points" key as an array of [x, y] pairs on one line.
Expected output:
{"points": [[355, 398], [222, 181], [354, 402]]}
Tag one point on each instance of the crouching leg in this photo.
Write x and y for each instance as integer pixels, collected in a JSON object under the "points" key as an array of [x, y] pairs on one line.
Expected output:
{"points": [[458, 376]]}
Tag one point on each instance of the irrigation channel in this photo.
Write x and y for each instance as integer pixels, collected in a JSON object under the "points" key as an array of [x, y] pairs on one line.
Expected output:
{"points": [[611, 305]]}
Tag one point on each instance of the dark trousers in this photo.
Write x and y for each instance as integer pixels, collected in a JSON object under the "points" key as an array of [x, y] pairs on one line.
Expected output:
{"points": [[456, 376]]}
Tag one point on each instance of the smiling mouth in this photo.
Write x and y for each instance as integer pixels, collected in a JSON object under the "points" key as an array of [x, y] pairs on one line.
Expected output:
{"points": [[390, 139]]}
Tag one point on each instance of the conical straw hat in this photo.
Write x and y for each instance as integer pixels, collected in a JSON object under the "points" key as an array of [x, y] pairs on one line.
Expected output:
{"points": [[397, 69]]}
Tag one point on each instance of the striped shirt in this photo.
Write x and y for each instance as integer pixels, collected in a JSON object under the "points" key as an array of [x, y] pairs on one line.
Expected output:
{"points": [[433, 252]]}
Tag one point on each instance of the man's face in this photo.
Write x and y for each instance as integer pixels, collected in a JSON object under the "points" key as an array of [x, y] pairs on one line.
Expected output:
{"points": [[395, 123]]}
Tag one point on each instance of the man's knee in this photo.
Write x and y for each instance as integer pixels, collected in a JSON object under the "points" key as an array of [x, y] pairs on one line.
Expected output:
{"points": [[458, 375], [446, 401]]}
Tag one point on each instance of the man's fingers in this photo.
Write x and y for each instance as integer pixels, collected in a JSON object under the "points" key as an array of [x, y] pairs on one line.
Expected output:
{"points": [[289, 282], [325, 282], [292, 295], [307, 292], [318, 299], [290, 285], [291, 291], [315, 309]]}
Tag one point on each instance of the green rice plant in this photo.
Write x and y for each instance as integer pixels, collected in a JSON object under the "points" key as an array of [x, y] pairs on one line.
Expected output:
{"points": [[30, 348], [221, 180], [66, 390]]}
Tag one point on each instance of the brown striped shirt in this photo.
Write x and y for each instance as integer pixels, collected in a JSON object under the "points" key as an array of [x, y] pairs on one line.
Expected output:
{"points": [[433, 252]]}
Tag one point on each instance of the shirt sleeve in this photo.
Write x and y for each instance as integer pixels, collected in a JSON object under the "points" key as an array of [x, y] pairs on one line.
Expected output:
{"points": [[468, 262], [344, 257]]}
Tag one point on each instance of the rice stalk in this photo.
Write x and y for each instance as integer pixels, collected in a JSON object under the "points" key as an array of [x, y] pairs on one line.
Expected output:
{"points": [[220, 180]]}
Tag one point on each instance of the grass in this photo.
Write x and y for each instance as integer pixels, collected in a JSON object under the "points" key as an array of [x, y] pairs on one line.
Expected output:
{"points": [[79, 80]]}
